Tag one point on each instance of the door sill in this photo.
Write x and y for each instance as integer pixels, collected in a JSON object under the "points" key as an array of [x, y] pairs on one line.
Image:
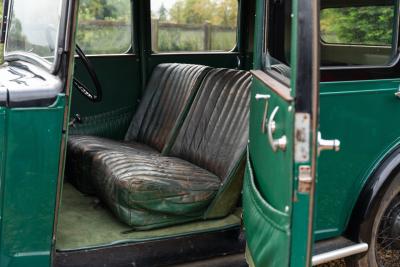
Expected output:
{"points": [[156, 253], [336, 248]]}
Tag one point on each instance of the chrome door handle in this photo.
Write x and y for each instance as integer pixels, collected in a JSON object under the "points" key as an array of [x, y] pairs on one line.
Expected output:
{"points": [[324, 145], [264, 120], [276, 144], [397, 94]]}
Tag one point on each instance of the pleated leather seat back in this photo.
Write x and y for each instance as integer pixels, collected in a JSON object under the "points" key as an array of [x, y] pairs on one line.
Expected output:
{"points": [[215, 133], [168, 95]]}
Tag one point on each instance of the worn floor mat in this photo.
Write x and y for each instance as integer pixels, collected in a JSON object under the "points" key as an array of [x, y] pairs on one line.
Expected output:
{"points": [[84, 223]]}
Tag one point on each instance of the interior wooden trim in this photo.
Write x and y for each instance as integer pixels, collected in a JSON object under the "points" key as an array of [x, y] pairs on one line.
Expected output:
{"points": [[279, 88]]}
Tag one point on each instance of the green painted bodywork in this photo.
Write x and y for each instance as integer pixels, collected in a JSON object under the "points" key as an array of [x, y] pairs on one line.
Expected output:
{"points": [[267, 199], [275, 215], [30, 140], [277, 190], [362, 115]]}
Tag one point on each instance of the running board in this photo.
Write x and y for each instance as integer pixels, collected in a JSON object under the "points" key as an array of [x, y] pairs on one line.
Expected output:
{"points": [[337, 248]]}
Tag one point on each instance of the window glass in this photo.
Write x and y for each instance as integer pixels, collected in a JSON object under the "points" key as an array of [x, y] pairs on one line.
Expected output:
{"points": [[33, 27], [105, 26], [361, 35], [370, 25], [194, 25], [277, 39]]}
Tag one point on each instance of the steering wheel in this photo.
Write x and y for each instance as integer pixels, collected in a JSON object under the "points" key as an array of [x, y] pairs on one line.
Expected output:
{"points": [[82, 88]]}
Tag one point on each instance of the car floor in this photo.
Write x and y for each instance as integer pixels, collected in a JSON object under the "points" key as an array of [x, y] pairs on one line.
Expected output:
{"points": [[84, 223]]}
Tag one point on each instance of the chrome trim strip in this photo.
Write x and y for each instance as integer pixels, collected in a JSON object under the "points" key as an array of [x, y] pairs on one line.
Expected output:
{"points": [[339, 253]]}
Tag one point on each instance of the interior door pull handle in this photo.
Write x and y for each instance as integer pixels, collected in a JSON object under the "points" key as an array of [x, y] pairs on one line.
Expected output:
{"points": [[264, 119], [276, 144]]}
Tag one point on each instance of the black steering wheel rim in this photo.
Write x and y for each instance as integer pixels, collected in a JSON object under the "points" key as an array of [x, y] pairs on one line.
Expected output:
{"points": [[82, 88]]}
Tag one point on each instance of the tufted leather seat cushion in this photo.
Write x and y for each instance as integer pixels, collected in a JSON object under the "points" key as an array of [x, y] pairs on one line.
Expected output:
{"points": [[162, 190], [167, 98], [81, 150], [148, 191]]}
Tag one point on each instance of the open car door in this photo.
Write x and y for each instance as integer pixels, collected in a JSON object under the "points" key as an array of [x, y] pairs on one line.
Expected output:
{"points": [[278, 199], [35, 82]]}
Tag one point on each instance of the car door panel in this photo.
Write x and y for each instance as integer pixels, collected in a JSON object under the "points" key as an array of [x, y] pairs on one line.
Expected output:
{"points": [[121, 91], [279, 187]]}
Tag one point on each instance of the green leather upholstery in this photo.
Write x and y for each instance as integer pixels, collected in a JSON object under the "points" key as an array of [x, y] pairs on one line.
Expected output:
{"points": [[81, 150], [168, 95], [201, 158], [162, 190], [215, 133], [265, 227]]}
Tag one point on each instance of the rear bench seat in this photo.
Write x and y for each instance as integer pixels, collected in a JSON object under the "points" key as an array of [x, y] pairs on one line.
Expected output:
{"points": [[199, 171], [169, 93]]}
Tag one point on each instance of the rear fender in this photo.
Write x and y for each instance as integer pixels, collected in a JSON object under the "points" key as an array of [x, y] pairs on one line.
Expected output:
{"points": [[373, 191]]}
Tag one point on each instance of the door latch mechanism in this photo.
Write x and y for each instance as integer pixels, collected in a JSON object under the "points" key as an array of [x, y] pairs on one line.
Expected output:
{"points": [[305, 179], [324, 145]]}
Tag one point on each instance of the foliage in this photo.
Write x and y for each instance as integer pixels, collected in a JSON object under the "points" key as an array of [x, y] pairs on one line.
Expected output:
{"points": [[361, 25], [216, 12], [109, 10], [163, 13], [180, 39], [191, 18], [104, 26]]}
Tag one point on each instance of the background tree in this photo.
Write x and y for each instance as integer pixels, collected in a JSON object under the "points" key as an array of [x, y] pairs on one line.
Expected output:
{"points": [[104, 9], [192, 11], [163, 13], [227, 13], [216, 12], [361, 25]]}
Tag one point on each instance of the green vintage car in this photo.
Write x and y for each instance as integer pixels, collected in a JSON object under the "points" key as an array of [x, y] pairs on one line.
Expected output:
{"points": [[190, 133]]}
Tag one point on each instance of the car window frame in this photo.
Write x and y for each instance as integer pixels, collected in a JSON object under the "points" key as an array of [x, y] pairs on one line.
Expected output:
{"points": [[395, 59], [51, 67], [133, 45], [234, 50], [286, 81]]}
